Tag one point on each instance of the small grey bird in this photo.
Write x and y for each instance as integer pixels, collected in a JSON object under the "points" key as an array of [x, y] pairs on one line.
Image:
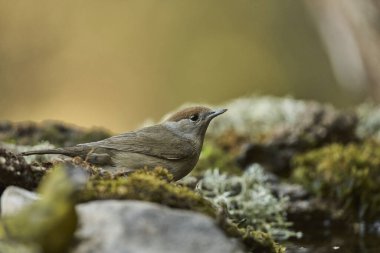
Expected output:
{"points": [[174, 144]]}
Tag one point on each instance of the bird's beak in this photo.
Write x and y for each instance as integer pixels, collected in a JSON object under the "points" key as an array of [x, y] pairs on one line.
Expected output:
{"points": [[216, 113]]}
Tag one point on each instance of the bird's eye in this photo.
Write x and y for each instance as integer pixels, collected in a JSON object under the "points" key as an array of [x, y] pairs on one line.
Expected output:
{"points": [[194, 117]]}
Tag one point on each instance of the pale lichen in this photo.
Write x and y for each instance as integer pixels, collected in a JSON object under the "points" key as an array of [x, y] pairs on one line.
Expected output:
{"points": [[369, 121], [248, 200], [23, 148], [252, 116]]}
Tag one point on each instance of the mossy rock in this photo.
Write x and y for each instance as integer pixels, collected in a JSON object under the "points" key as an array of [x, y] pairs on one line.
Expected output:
{"points": [[150, 186], [55, 132], [347, 176], [14, 170], [254, 241], [156, 186]]}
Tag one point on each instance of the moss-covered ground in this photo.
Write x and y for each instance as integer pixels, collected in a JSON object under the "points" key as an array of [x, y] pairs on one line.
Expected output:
{"points": [[347, 176]]}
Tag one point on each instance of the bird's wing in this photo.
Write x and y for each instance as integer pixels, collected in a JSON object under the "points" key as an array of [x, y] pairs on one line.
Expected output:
{"points": [[155, 141]]}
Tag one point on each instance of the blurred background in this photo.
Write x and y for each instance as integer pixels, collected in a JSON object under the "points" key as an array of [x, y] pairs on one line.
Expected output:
{"points": [[116, 63]]}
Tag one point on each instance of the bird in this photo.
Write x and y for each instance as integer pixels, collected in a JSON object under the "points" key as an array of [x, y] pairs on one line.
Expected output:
{"points": [[174, 144]]}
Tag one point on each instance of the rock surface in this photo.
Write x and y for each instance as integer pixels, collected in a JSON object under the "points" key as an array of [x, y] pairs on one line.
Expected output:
{"points": [[135, 226], [15, 198], [316, 126]]}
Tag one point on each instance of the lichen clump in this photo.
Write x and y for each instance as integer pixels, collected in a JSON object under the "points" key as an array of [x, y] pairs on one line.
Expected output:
{"points": [[369, 121], [347, 176], [248, 201]]}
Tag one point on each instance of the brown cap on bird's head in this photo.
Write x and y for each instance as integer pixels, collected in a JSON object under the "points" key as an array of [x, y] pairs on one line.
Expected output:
{"points": [[188, 112], [194, 113]]}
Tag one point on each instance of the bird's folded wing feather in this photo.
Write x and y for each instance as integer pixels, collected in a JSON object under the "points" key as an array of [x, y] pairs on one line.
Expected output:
{"points": [[155, 141]]}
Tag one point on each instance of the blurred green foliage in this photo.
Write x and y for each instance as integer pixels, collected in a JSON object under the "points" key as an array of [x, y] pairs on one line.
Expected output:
{"points": [[214, 156], [48, 223]]}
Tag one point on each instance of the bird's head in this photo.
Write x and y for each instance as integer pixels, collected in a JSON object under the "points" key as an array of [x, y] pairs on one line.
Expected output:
{"points": [[192, 122]]}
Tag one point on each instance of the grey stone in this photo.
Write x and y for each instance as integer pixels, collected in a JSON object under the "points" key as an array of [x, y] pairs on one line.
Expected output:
{"points": [[136, 226], [125, 226], [14, 198]]}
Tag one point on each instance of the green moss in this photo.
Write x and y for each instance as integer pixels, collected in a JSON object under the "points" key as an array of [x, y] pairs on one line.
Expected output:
{"points": [[347, 176], [150, 186], [254, 241], [213, 156], [10, 140]]}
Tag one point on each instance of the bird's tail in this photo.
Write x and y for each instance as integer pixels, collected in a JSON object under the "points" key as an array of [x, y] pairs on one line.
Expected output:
{"points": [[59, 151]]}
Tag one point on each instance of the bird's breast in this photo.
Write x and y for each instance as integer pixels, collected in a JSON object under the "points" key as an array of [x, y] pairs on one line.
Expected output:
{"points": [[133, 161]]}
